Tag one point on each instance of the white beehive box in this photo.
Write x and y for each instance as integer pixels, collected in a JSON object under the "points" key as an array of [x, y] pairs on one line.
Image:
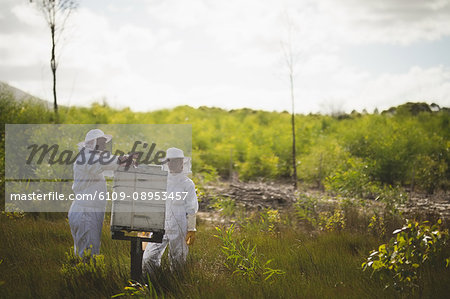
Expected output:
{"points": [[136, 211]]}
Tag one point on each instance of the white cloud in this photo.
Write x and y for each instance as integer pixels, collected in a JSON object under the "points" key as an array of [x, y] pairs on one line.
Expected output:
{"points": [[389, 21], [225, 53], [417, 85]]}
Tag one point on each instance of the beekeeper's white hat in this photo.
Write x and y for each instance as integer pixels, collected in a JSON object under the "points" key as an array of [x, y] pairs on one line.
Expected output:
{"points": [[173, 153], [91, 137]]}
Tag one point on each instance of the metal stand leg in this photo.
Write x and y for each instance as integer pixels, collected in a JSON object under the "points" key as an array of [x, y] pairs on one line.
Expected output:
{"points": [[136, 258]]}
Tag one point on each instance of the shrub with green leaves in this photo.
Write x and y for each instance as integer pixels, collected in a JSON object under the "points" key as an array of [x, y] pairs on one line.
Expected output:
{"points": [[305, 209], [376, 225], [242, 258], [401, 261], [332, 221], [430, 172], [13, 212], [321, 160], [139, 290], [88, 271], [402, 148], [391, 197], [270, 219], [351, 179], [226, 206]]}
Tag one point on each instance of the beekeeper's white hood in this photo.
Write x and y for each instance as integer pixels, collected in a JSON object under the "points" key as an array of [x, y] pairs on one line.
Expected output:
{"points": [[90, 141], [174, 152]]}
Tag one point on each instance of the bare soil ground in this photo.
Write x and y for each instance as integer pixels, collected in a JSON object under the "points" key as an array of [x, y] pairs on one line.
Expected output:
{"points": [[258, 195]]}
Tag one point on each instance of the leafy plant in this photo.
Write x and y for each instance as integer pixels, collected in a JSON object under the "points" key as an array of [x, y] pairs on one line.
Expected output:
{"points": [[305, 209], [332, 222], [376, 225], [88, 271], [430, 172], [226, 206], [351, 179], [136, 289], [242, 258], [400, 261], [391, 197], [270, 218], [14, 212]]}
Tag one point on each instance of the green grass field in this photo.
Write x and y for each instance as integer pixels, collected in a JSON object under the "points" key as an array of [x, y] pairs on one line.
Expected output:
{"points": [[316, 265]]}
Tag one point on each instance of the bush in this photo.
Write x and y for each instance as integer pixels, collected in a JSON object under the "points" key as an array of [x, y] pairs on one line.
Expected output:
{"points": [[14, 212], [376, 225], [305, 210], [352, 179], [226, 206], [242, 258], [83, 273], [136, 289], [321, 161], [400, 262], [332, 221], [270, 220], [430, 173]]}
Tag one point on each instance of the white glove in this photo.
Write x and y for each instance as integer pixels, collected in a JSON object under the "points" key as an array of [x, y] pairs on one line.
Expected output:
{"points": [[191, 222]]}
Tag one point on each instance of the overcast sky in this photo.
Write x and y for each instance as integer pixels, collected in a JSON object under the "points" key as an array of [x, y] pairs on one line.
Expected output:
{"points": [[152, 54]]}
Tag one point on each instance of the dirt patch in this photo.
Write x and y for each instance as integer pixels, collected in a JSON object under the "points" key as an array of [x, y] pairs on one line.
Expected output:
{"points": [[428, 206], [277, 195], [253, 194]]}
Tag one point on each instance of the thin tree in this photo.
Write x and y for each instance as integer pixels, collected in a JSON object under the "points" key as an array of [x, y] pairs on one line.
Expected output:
{"points": [[290, 58], [56, 13]]}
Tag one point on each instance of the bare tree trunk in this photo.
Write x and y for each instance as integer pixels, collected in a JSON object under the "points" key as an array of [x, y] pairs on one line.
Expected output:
{"points": [[290, 60], [53, 67], [231, 166], [411, 187], [56, 13], [319, 183], [294, 160]]}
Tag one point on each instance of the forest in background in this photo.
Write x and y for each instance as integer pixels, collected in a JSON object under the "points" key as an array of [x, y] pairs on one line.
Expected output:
{"points": [[356, 154]]}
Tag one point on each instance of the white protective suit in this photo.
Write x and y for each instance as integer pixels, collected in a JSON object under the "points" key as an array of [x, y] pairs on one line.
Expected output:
{"points": [[86, 216], [180, 217]]}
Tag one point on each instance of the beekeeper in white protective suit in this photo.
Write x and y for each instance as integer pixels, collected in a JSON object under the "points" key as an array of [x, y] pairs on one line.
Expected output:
{"points": [[86, 216], [180, 214]]}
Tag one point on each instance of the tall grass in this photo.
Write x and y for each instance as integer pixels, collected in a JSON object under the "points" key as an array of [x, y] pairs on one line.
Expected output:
{"points": [[325, 265], [33, 252]]}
